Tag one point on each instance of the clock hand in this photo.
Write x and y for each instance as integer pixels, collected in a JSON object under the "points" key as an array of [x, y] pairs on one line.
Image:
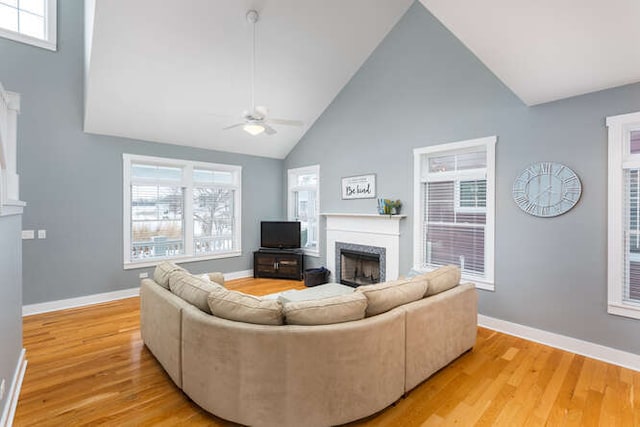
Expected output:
{"points": [[537, 196]]}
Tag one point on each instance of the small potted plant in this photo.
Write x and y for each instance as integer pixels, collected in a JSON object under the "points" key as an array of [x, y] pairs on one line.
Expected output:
{"points": [[395, 206], [389, 207]]}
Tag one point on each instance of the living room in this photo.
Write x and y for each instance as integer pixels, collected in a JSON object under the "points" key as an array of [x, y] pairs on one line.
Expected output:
{"points": [[420, 87]]}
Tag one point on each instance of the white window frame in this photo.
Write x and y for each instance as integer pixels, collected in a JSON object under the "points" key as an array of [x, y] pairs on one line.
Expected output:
{"points": [[188, 185], [620, 159], [292, 175], [471, 177], [486, 281], [51, 29]]}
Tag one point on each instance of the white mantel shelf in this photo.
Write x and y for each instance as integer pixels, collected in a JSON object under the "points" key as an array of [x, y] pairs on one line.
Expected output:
{"points": [[365, 215]]}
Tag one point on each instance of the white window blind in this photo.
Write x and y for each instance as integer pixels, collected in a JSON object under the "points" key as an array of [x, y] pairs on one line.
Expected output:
{"points": [[303, 205], [624, 215], [29, 21], [177, 209], [455, 208]]}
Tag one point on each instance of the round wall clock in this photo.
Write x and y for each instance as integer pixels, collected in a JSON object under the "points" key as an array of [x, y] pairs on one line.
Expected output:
{"points": [[547, 189]]}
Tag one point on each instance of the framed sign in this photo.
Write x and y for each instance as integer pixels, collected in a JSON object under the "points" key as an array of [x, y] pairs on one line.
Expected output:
{"points": [[359, 187]]}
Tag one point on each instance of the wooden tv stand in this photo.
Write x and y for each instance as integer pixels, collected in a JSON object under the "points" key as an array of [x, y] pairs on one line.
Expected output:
{"points": [[278, 264]]}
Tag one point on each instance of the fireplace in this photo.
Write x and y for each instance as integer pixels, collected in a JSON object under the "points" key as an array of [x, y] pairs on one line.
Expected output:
{"points": [[370, 234], [359, 264], [359, 268]]}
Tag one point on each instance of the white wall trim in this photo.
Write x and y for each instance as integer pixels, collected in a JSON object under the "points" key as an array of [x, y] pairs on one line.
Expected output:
{"points": [[9, 411], [238, 275], [63, 304], [46, 307], [563, 342]]}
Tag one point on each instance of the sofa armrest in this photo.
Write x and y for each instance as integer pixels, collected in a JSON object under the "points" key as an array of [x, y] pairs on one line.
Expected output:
{"points": [[439, 329], [160, 326]]}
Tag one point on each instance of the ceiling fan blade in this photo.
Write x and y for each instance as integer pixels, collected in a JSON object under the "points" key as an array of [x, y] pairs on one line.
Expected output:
{"points": [[268, 129], [287, 122], [233, 126]]}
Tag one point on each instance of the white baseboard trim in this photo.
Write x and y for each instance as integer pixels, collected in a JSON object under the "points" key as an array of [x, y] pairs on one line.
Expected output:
{"points": [[238, 275], [45, 307], [13, 394], [563, 342], [63, 304]]}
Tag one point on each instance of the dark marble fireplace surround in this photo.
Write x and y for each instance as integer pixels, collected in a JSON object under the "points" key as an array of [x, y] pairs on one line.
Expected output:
{"points": [[369, 253]]}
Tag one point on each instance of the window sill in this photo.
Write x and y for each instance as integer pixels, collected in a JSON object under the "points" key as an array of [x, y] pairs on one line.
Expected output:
{"points": [[626, 310], [179, 260], [21, 38], [315, 254]]}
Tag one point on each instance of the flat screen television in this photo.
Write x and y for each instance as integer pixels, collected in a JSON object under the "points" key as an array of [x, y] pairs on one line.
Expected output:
{"points": [[280, 234]]}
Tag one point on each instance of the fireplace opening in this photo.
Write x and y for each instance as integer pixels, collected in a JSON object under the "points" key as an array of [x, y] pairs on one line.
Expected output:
{"points": [[359, 268]]}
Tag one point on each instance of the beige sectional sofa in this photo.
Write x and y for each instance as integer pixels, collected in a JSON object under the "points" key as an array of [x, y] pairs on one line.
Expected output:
{"points": [[326, 374]]}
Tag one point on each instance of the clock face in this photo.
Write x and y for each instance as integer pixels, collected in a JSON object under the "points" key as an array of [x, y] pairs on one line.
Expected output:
{"points": [[546, 189]]}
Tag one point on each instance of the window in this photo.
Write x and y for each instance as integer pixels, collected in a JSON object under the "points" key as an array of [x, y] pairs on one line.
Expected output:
{"points": [[624, 215], [454, 205], [304, 188], [29, 21], [180, 210]]}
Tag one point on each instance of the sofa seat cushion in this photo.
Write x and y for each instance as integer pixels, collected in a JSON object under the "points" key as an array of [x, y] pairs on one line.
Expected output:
{"points": [[163, 271], [233, 305], [383, 297], [193, 289], [326, 311], [441, 279]]}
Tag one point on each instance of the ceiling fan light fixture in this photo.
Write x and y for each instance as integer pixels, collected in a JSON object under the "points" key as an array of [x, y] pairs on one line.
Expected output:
{"points": [[253, 128]]}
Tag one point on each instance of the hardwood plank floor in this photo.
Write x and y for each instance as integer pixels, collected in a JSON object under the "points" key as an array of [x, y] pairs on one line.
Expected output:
{"points": [[88, 366]]}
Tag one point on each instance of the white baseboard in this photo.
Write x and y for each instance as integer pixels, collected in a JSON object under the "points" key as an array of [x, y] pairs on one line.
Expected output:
{"points": [[574, 345], [238, 274], [45, 307], [63, 304], [9, 411]]}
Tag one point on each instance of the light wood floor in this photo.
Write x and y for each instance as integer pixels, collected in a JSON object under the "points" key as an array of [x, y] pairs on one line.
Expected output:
{"points": [[88, 366]]}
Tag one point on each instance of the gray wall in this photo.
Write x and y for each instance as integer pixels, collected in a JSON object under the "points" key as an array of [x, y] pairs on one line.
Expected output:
{"points": [[423, 87], [10, 299], [72, 181]]}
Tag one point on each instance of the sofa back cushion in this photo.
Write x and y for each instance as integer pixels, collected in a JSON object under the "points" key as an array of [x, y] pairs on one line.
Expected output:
{"points": [[383, 297], [192, 289], [441, 279], [233, 305], [326, 311], [163, 271]]}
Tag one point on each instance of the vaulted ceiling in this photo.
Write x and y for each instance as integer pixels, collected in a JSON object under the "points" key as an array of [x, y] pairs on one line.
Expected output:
{"points": [[179, 72]]}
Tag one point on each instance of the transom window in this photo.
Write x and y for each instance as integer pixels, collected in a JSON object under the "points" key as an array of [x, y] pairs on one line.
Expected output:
{"points": [[624, 215], [29, 21], [178, 209], [454, 193], [303, 203]]}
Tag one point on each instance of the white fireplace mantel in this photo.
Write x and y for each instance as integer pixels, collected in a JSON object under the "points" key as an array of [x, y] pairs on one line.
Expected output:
{"points": [[365, 229]]}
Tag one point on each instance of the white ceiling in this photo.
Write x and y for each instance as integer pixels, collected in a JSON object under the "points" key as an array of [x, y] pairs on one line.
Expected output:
{"points": [[179, 71], [545, 50]]}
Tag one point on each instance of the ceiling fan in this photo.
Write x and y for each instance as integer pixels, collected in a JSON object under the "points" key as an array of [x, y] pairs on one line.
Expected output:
{"points": [[256, 120]]}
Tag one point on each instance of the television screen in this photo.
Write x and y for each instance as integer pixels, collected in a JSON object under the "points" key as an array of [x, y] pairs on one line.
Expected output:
{"points": [[280, 234]]}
